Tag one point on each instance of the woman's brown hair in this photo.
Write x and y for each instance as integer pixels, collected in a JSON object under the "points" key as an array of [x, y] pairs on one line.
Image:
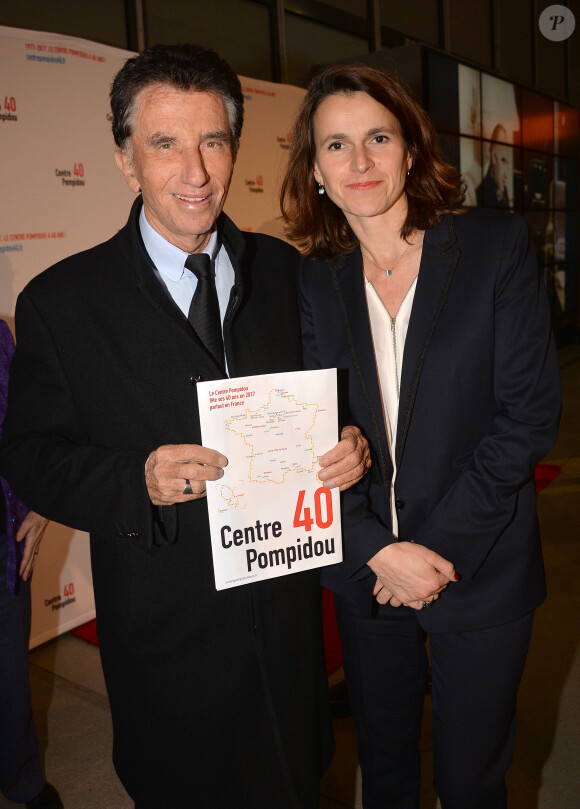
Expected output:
{"points": [[433, 187]]}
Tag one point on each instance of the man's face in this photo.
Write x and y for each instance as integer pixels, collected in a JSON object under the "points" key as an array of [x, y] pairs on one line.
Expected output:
{"points": [[181, 157], [499, 167]]}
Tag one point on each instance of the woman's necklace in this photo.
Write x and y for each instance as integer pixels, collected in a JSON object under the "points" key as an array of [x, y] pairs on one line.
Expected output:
{"points": [[382, 269]]}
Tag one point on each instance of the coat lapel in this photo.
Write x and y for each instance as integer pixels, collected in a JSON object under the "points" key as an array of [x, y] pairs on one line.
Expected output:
{"points": [[438, 262], [150, 286], [348, 281]]}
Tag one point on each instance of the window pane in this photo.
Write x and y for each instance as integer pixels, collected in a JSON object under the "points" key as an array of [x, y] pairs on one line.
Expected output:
{"points": [[469, 30], [356, 7], [443, 92], [566, 126], [310, 45], [414, 18], [470, 151], [239, 30], [551, 58], [498, 188], [537, 121], [514, 39], [500, 116], [102, 22], [469, 101], [538, 171]]}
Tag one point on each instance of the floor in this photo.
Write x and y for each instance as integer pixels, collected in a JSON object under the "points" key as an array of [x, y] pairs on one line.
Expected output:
{"points": [[74, 723]]}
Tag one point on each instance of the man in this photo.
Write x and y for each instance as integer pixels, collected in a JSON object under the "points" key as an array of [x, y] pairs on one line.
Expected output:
{"points": [[493, 191], [217, 698]]}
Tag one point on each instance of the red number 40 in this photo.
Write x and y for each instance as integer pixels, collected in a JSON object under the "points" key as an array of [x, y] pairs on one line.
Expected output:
{"points": [[306, 520]]}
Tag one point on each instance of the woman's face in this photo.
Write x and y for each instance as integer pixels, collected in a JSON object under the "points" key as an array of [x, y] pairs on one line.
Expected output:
{"points": [[361, 157]]}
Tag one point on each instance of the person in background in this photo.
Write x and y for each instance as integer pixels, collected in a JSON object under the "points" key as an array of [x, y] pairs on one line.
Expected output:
{"points": [[218, 698], [440, 320], [21, 776], [493, 191]]}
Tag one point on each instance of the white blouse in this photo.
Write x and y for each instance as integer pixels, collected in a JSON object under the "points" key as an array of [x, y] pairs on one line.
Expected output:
{"points": [[389, 335]]}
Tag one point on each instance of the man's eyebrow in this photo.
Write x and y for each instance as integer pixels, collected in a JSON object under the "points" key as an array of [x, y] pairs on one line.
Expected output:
{"points": [[160, 137], [163, 137], [219, 134]]}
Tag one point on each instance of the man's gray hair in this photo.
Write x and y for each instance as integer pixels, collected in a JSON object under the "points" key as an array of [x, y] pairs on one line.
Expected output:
{"points": [[183, 67]]}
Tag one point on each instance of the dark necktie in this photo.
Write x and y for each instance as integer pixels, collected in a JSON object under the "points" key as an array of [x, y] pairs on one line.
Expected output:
{"points": [[204, 311]]}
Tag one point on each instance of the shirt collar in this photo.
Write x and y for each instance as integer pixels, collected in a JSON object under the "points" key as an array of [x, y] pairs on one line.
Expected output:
{"points": [[167, 258]]}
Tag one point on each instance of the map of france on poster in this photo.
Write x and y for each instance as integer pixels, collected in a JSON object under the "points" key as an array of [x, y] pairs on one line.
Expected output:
{"points": [[269, 515]]}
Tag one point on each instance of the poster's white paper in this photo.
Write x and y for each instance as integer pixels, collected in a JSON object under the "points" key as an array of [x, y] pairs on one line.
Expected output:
{"points": [[269, 515]]}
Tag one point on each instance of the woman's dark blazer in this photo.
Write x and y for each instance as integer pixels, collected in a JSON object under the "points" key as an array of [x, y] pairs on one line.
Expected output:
{"points": [[479, 407]]}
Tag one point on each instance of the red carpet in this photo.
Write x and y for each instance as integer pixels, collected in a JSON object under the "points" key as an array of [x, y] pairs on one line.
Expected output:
{"points": [[87, 632], [332, 647], [544, 474]]}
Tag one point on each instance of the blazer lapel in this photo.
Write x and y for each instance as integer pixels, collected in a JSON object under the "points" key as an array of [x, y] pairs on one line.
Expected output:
{"points": [[438, 262], [157, 295], [348, 281]]}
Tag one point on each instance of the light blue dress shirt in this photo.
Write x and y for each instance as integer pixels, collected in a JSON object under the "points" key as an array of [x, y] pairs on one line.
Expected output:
{"points": [[169, 263]]}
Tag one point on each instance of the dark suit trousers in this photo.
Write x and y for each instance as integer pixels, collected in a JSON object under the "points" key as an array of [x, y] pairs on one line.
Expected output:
{"points": [[475, 678], [21, 777]]}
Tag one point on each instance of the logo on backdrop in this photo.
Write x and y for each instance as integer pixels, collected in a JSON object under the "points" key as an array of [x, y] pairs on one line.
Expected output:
{"points": [[249, 92], [8, 109], [13, 242], [56, 54], [285, 141], [41, 52], [59, 602], [71, 177], [557, 23], [256, 186]]}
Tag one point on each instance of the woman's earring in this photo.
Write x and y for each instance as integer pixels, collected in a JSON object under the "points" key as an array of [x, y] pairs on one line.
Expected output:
{"points": [[321, 189]]}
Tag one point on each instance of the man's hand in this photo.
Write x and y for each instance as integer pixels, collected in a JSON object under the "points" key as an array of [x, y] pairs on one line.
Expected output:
{"points": [[347, 462], [31, 531], [410, 574], [170, 467]]}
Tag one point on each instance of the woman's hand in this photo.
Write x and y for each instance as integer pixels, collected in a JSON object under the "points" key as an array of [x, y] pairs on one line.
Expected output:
{"points": [[410, 575]]}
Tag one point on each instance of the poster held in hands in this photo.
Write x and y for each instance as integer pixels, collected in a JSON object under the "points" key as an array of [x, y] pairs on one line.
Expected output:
{"points": [[269, 514]]}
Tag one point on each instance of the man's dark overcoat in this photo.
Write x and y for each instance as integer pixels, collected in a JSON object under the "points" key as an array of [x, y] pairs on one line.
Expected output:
{"points": [[218, 698]]}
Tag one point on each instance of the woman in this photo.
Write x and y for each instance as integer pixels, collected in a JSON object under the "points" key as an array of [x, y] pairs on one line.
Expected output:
{"points": [[439, 319], [21, 776]]}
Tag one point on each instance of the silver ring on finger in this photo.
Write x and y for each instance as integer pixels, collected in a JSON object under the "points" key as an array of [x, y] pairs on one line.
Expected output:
{"points": [[187, 488], [426, 604]]}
